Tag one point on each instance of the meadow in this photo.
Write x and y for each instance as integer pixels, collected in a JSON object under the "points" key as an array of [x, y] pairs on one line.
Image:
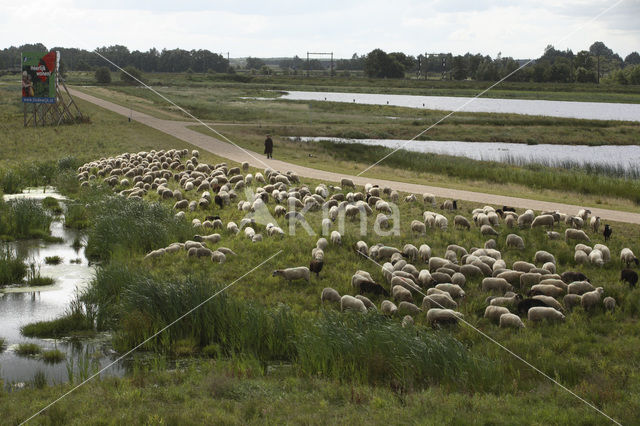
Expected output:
{"points": [[268, 351]]}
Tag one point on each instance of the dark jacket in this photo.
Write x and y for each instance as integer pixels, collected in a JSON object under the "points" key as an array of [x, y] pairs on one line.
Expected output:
{"points": [[268, 146]]}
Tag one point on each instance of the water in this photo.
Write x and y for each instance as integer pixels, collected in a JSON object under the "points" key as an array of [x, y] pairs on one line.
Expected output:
{"points": [[624, 157], [583, 110], [20, 306]]}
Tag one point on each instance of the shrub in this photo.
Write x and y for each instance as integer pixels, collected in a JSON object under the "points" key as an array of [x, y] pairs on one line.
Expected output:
{"points": [[76, 217], [130, 75], [103, 75], [53, 260], [12, 269], [28, 218]]}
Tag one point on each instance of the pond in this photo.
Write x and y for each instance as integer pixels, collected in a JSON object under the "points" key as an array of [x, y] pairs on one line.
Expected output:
{"points": [[625, 158], [565, 109], [22, 305]]}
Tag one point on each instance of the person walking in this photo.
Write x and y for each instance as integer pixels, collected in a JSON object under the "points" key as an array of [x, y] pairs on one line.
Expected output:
{"points": [[268, 146]]}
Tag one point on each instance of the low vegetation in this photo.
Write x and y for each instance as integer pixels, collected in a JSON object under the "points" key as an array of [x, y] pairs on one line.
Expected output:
{"points": [[28, 349], [53, 356], [12, 269]]}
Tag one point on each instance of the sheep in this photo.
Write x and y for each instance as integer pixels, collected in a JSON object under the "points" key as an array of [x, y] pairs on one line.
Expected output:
{"points": [[580, 287], [371, 287], [575, 234], [424, 252], [526, 304], [571, 300], [607, 232], [496, 284], [408, 308], [490, 244], [596, 258], [595, 223], [540, 313], [493, 313], [401, 294], [523, 266], [438, 300], [629, 276], [543, 220], [542, 256], [440, 277], [510, 301], [218, 256], [525, 219], [592, 298], [232, 228], [571, 276], [488, 230], [388, 307], [510, 221], [627, 256], [515, 241], [471, 271], [448, 205], [322, 243], [155, 253], [361, 247], [510, 320], [461, 222], [418, 227], [316, 266], [555, 281], [454, 290], [546, 290], [549, 300], [351, 303], [606, 254], [436, 316], [199, 252], [441, 222], [297, 273], [550, 266], [407, 321], [580, 257], [552, 235], [424, 278], [367, 303]]}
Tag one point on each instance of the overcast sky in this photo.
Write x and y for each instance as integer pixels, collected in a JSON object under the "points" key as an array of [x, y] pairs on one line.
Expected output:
{"points": [[269, 28]]}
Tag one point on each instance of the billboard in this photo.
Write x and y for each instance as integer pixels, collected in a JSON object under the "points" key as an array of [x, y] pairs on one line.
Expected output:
{"points": [[40, 77]]}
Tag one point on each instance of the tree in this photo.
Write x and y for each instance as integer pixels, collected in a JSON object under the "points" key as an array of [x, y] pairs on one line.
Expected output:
{"points": [[560, 71], [459, 68], [634, 75], [128, 76], [254, 63], [599, 50], [487, 70], [103, 75], [632, 58], [584, 75], [379, 64]]}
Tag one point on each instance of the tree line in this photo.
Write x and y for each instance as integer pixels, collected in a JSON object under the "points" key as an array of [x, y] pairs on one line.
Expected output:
{"points": [[585, 66]]}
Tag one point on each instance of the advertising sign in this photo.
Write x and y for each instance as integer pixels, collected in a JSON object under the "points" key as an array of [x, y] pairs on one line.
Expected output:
{"points": [[39, 77]]}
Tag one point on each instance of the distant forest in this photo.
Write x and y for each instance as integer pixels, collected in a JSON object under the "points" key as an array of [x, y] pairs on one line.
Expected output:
{"points": [[585, 66]]}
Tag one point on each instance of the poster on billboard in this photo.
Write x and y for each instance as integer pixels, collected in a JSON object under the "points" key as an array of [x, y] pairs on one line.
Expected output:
{"points": [[39, 77]]}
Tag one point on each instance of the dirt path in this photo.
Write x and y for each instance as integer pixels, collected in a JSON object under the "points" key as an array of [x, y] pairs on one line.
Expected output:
{"points": [[179, 130]]}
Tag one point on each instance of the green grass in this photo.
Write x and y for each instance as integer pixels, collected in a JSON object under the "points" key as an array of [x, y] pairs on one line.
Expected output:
{"points": [[3, 344], [34, 279], [53, 356], [53, 260], [27, 349], [67, 325], [76, 217]]}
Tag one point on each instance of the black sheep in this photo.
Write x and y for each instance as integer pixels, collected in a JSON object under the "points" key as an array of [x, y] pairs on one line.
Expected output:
{"points": [[568, 277], [629, 276], [526, 304], [508, 209], [455, 204], [316, 266], [212, 218], [607, 232], [265, 197], [372, 288], [218, 200]]}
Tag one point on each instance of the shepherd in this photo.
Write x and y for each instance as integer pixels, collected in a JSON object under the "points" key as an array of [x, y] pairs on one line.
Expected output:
{"points": [[268, 146]]}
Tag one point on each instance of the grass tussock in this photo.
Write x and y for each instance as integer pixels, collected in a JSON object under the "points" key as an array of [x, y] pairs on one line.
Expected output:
{"points": [[53, 260], [24, 218], [12, 269], [27, 349], [3, 344], [53, 356], [74, 321]]}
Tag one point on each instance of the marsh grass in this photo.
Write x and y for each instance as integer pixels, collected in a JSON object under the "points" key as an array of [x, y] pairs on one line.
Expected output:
{"points": [[53, 260], [3, 344], [12, 269], [76, 216], [28, 218], [39, 379], [122, 223], [53, 356], [34, 279], [27, 349]]}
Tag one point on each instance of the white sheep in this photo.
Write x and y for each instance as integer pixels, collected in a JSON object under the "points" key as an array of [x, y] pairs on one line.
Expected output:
{"points": [[549, 301], [453, 289], [570, 301], [336, 238], [496, 284], [592, 298], [424, 252], [575, 234], [506, 301], [388, 307], [322, 243], [509, 320], [367, 303], [351, 303], [218, 256], [580, 287], [580, 257], [418, 227], [514, 241], [439, 300], [543, 220], [540, 313], [347, 182], [443, 316], [401, 294], [493, 313], [606, 254], [609, 303], [547, 290], [297, 273], [595, 223], [407, 321], [542, 256], [627, 256], [488, 230], [408, 308], [461, 222], [596, 257]]}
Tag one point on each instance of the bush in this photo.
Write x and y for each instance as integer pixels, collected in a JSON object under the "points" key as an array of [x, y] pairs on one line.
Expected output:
{"points": [[103, 75], [130, 75], [10, 182], [29, 218], [12, 269]]}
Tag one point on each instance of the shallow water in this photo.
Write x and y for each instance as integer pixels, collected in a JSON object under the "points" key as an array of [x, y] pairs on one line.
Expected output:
{"points": [[583, 110], [22, 305], [626, 157]]}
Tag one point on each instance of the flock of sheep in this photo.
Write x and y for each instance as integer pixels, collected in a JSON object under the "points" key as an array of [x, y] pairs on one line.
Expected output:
{"points": [[415, 280]]}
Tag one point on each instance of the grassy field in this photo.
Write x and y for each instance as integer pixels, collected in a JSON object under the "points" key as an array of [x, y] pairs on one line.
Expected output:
{"points": [[268, 351]]}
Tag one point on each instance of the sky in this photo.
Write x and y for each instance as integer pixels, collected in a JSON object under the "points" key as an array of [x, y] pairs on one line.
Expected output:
{"points": [[284, 28]]}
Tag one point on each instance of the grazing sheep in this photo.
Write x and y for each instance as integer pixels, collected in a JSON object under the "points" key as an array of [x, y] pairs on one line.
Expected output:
{"points": [[509, 320], [542, 256], [429, 198], [322, 243], [496, 284], [424, 252], [580, 257], [453, 289], [591, 299], [606, 254], [555, 281], [526, 304], [401, 294], [436, 316], [155, 253], [540, 313], [506, 301], [595, 223], [351, 303], [627, 256], [388, 307], [607, 232], [330, 295], [461, 222], [550, 266], [510, 221], [629, 276], [407, 321], [488, 230], [408, 308], [493, 313], [596, 257], [546, 290], [570, 301], [316, 266], [515, 241], [549, 300], [418, 227], [371, 287], [609, 304], [522, 266], [367, 303], [575, 234], [297, 273], [525, 219], [543, 220], [571, 276], [552, 235], [580, 287], [439, 300]]}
